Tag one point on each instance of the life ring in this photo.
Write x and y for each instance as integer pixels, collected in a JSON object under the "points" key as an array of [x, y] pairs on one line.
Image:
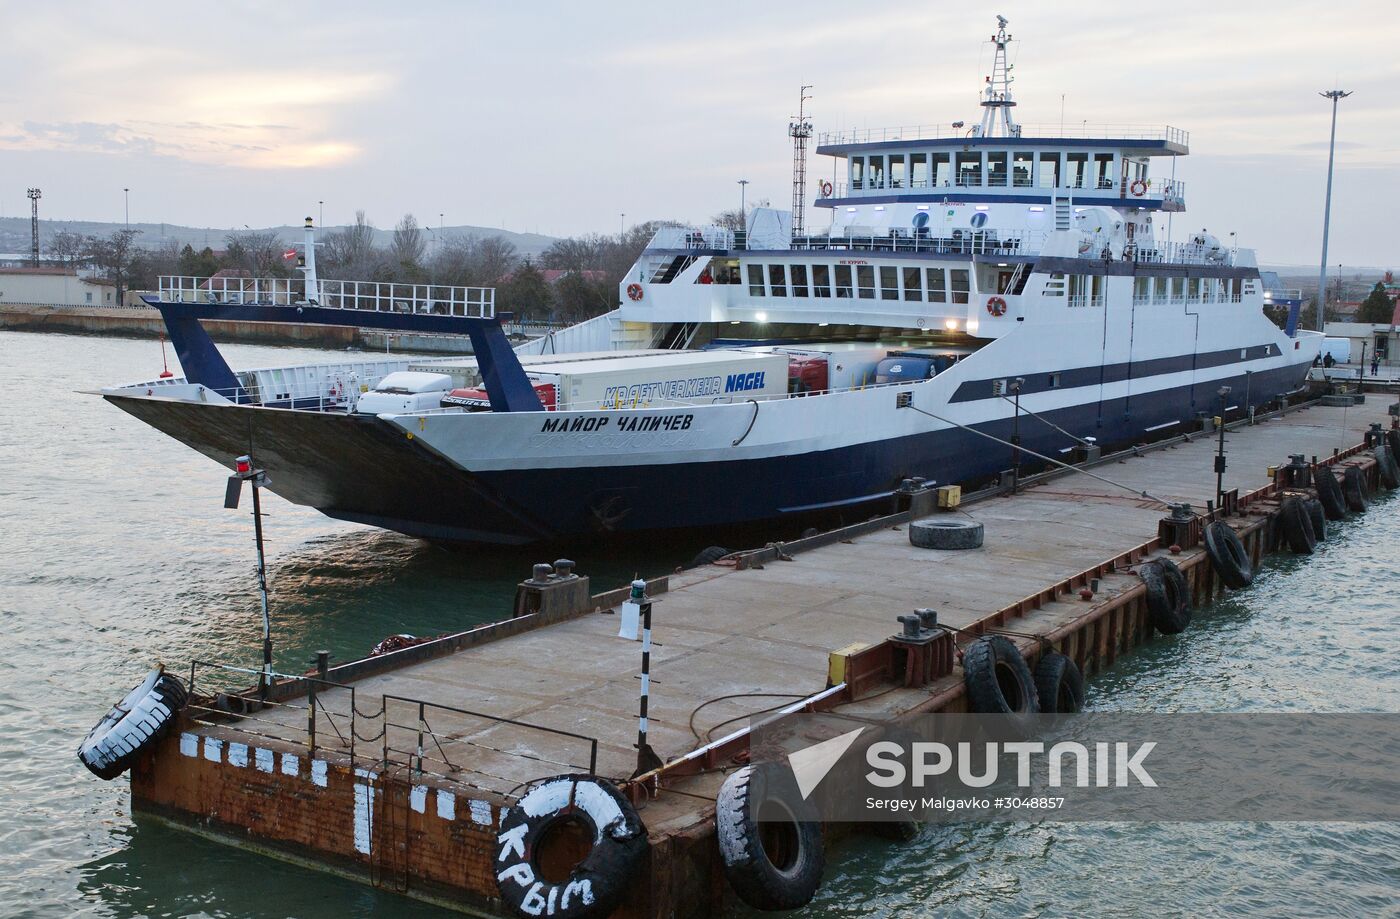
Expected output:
{"points": [[1296, 525], [1168, 596], [826, 189], [996, 306], [1228, 555], [132, 725], [597, 884], [634, 291], [1059, 686], [773, 877], [997, 678], [1138, 188]]}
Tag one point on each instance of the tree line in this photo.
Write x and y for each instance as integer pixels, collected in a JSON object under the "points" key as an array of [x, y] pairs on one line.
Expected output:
{"points": [[593, 264]]}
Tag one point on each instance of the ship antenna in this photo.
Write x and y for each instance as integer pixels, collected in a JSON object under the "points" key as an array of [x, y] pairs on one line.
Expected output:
{"points": [[996, 98], [800, 130]]}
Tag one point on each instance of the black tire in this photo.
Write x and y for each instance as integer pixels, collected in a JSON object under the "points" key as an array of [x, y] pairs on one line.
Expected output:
{"points": [[598, 883], [133, 725], [1059, 686], [997, 678], [1168, 596], [1385, 467], [1317, 517], [708, 556], [1228, 556], [1329, 492], [786, 877], [946, 533], [1296, 525], [1392, 439], [1354, 489]]}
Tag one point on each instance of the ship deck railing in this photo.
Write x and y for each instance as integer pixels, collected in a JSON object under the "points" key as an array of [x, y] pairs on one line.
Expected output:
{"points": [[1172, 190], [369, 296], [1108, 133]]}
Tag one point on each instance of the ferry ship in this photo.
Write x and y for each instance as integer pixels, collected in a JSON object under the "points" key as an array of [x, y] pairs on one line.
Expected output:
{"points": [[1009, 280]]}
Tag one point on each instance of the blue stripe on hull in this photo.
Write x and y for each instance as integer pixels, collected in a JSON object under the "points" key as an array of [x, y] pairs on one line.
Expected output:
{"points": [[694, 495]]}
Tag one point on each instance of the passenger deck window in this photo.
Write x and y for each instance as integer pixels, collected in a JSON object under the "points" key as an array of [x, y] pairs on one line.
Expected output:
{"points": [[1159, 290], [843, 281], [1049, 170], [941, 169], [821, 280], [1022, 162], [877, 172], [970, 168], [913, 290], [1076, 170], [1103, 169], [865, 281], [889, 282], [959, 284], [799, 280], [897, 171], [937, 285], [857, 172], [918, 170], [755, 280], [777, 280]]}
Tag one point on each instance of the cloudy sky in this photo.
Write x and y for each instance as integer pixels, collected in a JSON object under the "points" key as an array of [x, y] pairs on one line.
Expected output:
{"points": [[557, 118]]}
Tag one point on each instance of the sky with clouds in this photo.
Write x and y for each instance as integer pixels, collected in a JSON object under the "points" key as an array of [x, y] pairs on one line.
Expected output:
{"points": [[558, 118]]}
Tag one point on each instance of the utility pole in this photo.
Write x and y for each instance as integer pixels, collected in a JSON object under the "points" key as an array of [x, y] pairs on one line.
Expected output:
{"points": [[1336, 95], [34, 196], [800, 130]]}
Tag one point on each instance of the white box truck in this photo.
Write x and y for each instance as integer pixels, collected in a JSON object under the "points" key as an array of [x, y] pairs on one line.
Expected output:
{"points": [[694, 377]]}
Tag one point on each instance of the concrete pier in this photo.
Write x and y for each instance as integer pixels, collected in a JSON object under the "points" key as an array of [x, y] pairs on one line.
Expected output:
{"points": [[397, 772]]}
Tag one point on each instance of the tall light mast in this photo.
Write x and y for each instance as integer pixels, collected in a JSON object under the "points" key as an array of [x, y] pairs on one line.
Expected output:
{"points": [[1336, 95], [34, 196], [800, 131], [996, 98]]}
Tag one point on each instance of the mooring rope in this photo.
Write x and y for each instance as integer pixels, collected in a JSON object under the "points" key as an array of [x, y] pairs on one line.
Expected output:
{"points": [[1140, 492], [1019, 408]]}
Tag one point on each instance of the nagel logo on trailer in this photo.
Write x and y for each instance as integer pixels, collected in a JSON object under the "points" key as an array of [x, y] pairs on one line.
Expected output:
{"points": [[744, 382]]}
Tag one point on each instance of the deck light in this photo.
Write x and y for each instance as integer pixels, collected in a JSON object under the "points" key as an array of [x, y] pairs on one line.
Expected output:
{"points": [[761, 316], [951, 325], [923, 207], [243, 465], [733, 322], [981, 207]]}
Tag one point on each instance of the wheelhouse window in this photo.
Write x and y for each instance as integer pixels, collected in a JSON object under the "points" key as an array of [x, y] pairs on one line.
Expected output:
{"points": [[1193, 289], [799, 280], [970, 168], [857, 173], [913, 289], [1049, 170], [959, 284], [1022, 163], [937, 285], [865, 281], [1159, 290], [755, 280], [942, 169], [918, 170], [889, 282], [821, 281], [1076, 170], [777, 280], [897, 170], [996, 168], [876, 176], [1142, 289], [843, 281], [1103, 170]]}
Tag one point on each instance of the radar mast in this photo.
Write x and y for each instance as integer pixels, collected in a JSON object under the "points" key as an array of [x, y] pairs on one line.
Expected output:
{"points": [[996, 100]]}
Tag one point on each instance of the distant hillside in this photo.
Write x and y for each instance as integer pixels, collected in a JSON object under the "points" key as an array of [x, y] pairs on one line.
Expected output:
{"points": [[15, 236]]}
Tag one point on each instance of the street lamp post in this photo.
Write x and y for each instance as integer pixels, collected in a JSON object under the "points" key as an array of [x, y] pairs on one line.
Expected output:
{"points": [[1336, 95], [321, 213], [743, 188], [126, 206]]}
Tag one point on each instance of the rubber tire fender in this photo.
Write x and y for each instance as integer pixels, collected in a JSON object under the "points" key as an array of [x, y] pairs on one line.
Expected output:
{"points": [[708, 556], [1392, 439], [1228, 556], [1329, 492], [992, 665], [1296, 525], [1168, 596], [1354, 489], [1317, 517], [1385, 463], [599, 882], [946, 533], [1059, 685], [132, 725], [747, 865]]}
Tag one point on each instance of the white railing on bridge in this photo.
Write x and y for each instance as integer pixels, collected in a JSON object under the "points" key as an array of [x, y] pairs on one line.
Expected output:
{"points": [[692, 238], [369, 296], [1082, 131]]}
